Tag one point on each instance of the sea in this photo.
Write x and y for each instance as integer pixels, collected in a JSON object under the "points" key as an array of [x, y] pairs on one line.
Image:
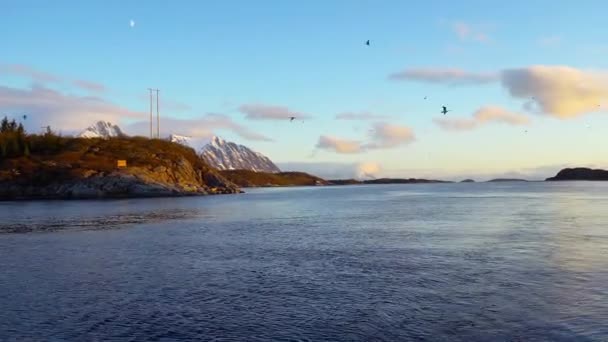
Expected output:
{"points": [[512, 261]]}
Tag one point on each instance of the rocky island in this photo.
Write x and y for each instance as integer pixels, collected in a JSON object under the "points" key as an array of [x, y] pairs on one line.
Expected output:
{"points": [[580, 173], [49, 166]]}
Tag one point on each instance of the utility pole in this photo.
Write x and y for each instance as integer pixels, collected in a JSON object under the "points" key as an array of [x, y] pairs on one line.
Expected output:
{"points": [[157, 117], [150, 112]]}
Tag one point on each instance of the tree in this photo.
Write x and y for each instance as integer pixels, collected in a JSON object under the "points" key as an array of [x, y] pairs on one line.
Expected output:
{"points": [[4, 125], [12, 125]]}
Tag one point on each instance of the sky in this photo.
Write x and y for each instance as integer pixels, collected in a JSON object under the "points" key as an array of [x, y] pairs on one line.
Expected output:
{"points": [[525, 83]]}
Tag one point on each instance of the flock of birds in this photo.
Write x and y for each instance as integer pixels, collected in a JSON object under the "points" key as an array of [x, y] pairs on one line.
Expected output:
{"points": [[444, 110]]}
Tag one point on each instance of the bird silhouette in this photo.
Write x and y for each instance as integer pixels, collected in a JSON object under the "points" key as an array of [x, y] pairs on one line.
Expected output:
{"points": [[367, 42], [25, 117], [444, 111], [425, 97], [292, 118]]}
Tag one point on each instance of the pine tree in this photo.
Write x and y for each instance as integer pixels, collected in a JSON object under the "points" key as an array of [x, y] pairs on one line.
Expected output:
{"points": [[4, 125]]}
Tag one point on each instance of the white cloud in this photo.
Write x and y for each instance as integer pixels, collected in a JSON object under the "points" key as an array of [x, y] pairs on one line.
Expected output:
{"points": [[455, 124], [42, 77], [381, 136], [333, 170], [384, 135], [560, 91], [270, 112], [202, 127], [28, 72], [69, 113], [360, 116], [446, 76], [466, 32], [339, 145], [482, 116], [367, 170], [498, 114], [90, 86]]}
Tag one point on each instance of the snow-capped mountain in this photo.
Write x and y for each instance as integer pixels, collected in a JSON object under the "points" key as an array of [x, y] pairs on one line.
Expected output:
{"points": [[225, 155], [102, 129], [180, 139]]}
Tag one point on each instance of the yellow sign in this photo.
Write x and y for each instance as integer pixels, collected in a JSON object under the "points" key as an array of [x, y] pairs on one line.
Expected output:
{"points": [[121, 163]]}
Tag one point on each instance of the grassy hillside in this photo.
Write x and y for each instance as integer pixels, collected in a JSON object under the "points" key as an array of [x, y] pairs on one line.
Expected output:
{"points": [[246, 178], [29, 163]]}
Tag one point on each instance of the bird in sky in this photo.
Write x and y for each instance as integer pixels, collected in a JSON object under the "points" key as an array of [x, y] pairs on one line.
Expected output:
{"points": [[367, 42], [445, 110], [425, 97], [25, 117], [292, 118]]}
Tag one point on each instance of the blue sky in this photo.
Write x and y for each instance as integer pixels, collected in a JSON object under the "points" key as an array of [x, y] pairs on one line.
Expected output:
{"points": [[310, 58]]}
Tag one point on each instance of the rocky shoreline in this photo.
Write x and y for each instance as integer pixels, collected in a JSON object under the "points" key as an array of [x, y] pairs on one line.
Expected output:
{"points": [[114, 185]]}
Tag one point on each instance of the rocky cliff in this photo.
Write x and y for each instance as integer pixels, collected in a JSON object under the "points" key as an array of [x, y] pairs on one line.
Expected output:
{"points": [[87, 168]]}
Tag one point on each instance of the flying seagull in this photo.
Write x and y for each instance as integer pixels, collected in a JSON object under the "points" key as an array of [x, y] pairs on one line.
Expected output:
{"points": [[445, 110], [367, 42], [292, 118], [425, 97]]}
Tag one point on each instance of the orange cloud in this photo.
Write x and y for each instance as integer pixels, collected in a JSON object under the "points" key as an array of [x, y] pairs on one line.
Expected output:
{"points": [[482, 116], [386, 135], [559, 91], [339, 145]]}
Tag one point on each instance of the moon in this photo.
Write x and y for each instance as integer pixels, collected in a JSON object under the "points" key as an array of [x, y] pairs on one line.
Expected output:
{"points": [[132, 23]]}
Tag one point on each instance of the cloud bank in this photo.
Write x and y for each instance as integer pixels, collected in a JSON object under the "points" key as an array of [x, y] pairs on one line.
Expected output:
{"points": [[70, 113], [360, 116], [384, 135], [560, 91], [381, 136], [201, 127], [270, 112], [339, 145], [482, 116], [332, 170], [45, 77], [448, 76]]}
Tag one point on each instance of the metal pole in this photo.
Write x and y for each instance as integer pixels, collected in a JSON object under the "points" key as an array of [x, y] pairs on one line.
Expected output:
{"points": [[150, 112], [157, 117]]}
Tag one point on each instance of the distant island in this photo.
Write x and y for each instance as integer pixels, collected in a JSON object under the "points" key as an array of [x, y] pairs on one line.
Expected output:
{"points": [[580, 173], [384, 181], [467, 181], [252, 179], [507, 180]]}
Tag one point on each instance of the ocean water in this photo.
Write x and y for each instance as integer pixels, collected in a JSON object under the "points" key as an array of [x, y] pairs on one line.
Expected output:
{"points": [[418, 262]]}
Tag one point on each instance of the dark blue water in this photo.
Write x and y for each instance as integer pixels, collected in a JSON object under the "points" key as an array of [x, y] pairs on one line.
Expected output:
{"points": [[436, 262]]}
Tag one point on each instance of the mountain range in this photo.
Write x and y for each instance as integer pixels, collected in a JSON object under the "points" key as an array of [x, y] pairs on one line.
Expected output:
{"points": [[225, 155], [102, 129], [218, 153]]}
